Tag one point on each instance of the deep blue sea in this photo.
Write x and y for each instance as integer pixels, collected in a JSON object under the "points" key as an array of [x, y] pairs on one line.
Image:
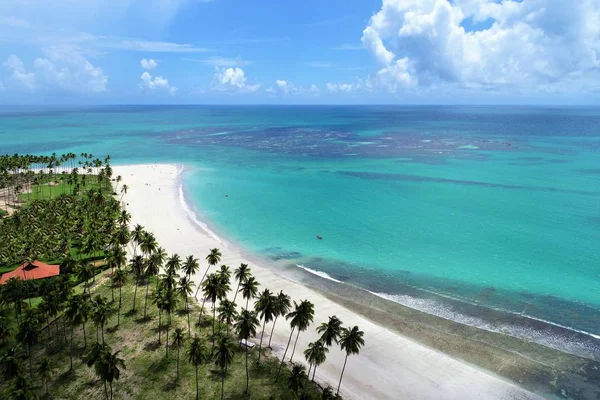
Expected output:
{"points": [[445, 209]]}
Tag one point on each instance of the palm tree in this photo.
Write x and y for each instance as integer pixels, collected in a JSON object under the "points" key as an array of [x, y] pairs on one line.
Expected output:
{"points": [[155, 262], [283, 304], [102, 310], [196, 354], [185, 289], [297, 379], [245, 326], [77, 312], [5, 332], [169, 304], [227, 312], [241, 274], [136, 237], [330, 331], [266, 308], [119, 279], [328, 394], [315, 354], [190, 266], [173, 264], [22, 389], [213, 259], [301, 318], [249, 289], [124, 189], [108, 368], [223, 355], [10, 365], [28, 334], [45, 372], [178, 339], [124, 218], [138, 265], [351, 341]]}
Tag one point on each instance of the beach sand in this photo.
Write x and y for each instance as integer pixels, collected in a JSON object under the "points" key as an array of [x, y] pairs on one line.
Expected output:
{"points": [[389, 366]]}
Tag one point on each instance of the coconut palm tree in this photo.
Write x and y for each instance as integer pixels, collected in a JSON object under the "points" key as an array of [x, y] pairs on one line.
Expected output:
{"points": [[102, 310], [173, 264], [300, 318], [190, 266], [249, 289], [266, 308], [155, 262], [124, 218], [214, 288], [297, 379], [327, 394], [28, 334], [136, 237], [351, 341], [283, 304], [169, 304], [124, 190], [178, 339], [315, 354], [22, 389], [185, 289], [138, 265], [119, 279], [213, 258], [227, 312], [108, 368], [245, 326], [45, 372], [331, 330], [77, 311], [5, 332], [10, 365], [241, 274], [223, 356], [197, 354]]}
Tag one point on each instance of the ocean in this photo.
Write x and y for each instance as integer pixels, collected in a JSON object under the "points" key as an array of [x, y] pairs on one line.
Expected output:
{"points": [[489, 216]]}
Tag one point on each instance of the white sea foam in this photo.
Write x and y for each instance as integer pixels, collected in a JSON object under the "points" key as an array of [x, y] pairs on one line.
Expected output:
{"points": [[557, 342], [321, 274]]}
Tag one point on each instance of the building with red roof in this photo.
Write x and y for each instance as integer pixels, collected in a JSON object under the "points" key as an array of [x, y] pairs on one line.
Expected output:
{"points": [[32, 270]]}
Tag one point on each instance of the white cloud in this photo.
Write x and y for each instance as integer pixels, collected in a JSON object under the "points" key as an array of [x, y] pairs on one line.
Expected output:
{"points": [[285, 87], [148, 84], [148, 64], [314, 89], [18, 73], [525, 44], [342, 87], [221, 61], [62, 68], [232, 80]]}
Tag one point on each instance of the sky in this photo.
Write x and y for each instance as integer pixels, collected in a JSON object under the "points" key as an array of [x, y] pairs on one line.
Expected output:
{"points": [[300, 52]]}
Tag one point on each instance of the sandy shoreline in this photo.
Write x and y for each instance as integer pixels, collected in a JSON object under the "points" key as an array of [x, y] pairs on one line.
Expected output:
{"points": [[389, 367]]}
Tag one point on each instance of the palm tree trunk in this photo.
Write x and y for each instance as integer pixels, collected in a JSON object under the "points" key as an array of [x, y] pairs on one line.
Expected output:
{"points": [[247, 373], [342, 375], [213, 335], [106, 391], [146, 301], [84, 337], [201, 310], [134, 295], [314, 371], [222, 383], [30, 368], [296, 342], [110, 384], [261, 338], [309, 369], [197, 382], [189, 329], [272, 329], [119, 311], [177, 362], [71, 350], [167, 346], [237, 290], [284, 353], [159, 320], [247, 300], [102, 329]]}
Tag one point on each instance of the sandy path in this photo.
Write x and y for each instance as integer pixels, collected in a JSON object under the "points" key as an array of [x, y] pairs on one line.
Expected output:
{"points": [[389, 366]]}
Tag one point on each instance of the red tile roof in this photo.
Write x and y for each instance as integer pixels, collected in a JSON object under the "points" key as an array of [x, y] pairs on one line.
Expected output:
{"points": [[34, 270]]}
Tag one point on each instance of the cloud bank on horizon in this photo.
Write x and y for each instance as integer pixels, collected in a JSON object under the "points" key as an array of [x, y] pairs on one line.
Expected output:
{"points": [[385, 51]]}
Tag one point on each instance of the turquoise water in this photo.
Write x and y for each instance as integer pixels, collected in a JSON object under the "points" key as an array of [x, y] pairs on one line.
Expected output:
{"points": [[498, 207]]}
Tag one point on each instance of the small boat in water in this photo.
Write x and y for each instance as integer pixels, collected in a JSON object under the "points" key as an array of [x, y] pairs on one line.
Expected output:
{"points": [[319, 237]]}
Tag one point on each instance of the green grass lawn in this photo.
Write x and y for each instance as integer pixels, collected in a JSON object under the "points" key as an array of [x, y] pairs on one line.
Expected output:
{"points": [[149, 373], [45, 191], [3, 213]]}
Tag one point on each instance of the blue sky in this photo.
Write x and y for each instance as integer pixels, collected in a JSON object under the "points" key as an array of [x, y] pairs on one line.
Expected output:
{"points": [[309, 52]]}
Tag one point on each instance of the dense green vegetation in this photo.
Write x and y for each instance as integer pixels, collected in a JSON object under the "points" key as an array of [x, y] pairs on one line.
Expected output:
{"points": [[134, 330]]}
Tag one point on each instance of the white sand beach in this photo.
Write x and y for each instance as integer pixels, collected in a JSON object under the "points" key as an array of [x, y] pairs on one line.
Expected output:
{"points": [[389, 366]]}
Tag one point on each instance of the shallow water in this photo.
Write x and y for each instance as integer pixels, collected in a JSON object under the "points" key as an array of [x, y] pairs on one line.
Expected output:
{"points": [[496, 207]]}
